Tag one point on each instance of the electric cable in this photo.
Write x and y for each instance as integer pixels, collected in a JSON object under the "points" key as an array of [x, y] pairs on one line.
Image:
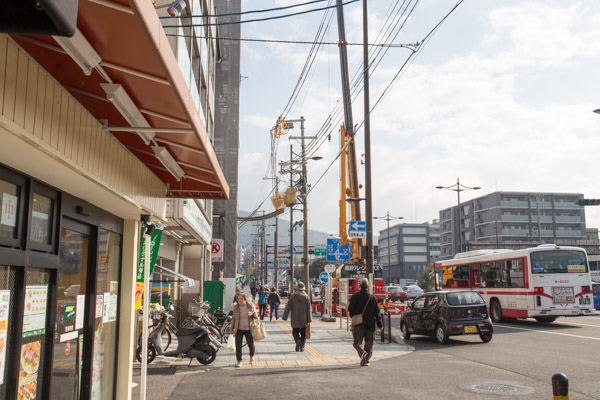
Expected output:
{"points": [[243, 12]]}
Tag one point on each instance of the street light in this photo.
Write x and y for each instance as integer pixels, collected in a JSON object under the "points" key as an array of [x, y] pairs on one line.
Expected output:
{"points": [[458, 187], [597, 111], [388, 218]]}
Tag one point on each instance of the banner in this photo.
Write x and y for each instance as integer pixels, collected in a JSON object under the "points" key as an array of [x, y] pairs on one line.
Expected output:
{"points": [[154, 247]]}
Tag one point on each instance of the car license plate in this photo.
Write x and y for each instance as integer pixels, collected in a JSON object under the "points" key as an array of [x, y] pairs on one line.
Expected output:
{"points": [[470, 329]]}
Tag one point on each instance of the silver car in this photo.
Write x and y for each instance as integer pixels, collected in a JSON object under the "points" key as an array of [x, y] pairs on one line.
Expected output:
{"points": [[413, 291]]}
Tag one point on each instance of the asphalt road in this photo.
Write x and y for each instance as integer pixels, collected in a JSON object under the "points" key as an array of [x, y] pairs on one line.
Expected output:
{"points": [[519, 362]]}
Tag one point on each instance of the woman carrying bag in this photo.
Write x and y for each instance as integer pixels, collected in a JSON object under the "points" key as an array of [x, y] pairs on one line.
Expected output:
{"points": [[299, 306], [241, 325]]}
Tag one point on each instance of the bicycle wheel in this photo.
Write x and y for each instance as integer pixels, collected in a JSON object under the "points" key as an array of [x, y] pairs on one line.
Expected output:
{"points": [[215, 332], [226, 331], [165, 339], [189, 322]]}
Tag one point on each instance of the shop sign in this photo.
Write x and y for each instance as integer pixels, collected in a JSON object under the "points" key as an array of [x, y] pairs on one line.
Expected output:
{"points": [[154, 247], [34, 318], [4, 307], [9, 210], [195, 218], [69, 314]]}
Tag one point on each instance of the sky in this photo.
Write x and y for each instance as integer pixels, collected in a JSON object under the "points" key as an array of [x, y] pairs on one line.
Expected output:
{"points": [[500, 96]]}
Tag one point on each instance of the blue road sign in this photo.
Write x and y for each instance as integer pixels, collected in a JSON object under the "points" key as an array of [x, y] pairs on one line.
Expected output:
{"points": [[335, 252], [358, 229], [288, 250], [324, 277], [286, 262]]}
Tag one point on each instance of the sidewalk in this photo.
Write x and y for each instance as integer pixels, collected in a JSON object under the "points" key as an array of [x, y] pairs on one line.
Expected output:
{"points": [[329, 345]]}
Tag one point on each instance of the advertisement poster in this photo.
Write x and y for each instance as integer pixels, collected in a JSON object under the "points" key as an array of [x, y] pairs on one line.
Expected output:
{"points": [[80, 311], [106, 310], [4, 304], [34, 319], [154, 247], [28, 372], [112, 311], [99, 305]]}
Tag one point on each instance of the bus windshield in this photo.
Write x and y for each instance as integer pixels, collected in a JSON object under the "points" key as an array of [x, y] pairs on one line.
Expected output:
{"points": [[558, 262]]}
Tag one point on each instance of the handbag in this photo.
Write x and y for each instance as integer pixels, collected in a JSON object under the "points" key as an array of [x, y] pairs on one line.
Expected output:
{"points": [[258, 331], [230, 344], [307, 335], [358, 318]]}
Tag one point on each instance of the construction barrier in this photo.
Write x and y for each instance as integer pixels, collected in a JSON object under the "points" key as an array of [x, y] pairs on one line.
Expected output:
{"points": [[396, 308]]}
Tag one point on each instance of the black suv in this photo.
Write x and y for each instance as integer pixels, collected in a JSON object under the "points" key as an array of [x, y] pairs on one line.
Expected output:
{"points": [[448, 313]]}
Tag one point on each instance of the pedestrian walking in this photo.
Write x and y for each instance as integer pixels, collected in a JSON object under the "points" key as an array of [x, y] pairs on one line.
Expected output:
{"points": [[262, 301], [274, 302], [241, 324], [253, 291], [366, 304], [299, 306]]}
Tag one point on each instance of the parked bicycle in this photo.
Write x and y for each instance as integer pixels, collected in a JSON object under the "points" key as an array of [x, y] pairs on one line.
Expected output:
{"points": [[219, 324]]}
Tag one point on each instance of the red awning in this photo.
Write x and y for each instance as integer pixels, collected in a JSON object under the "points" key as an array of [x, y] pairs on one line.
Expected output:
{"points": [[135, 54]]}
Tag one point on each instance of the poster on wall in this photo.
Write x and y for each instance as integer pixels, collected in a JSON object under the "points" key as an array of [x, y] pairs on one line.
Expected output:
{"points": [[34, 318], [99, 305], [80, 311], [106, 310], [114, 290], [4, 304], [28, 372]]}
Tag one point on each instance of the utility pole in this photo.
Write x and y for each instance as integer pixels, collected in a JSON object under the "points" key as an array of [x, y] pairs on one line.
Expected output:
{"points": [[388, 218], [264, 249], [305, 212], [276, 243], [291, 278], [367, 125]]}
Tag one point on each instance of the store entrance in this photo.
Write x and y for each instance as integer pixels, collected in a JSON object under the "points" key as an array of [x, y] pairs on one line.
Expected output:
{"points": [[74, 254]]}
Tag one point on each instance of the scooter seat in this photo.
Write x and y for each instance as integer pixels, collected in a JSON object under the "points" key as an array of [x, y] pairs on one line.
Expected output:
{"points": [[189, 331]]}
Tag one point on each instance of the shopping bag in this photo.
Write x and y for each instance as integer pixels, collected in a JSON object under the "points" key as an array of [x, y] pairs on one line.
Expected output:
{"points": [[258, 331], [230, 344], [357, 320], [308, 331]]}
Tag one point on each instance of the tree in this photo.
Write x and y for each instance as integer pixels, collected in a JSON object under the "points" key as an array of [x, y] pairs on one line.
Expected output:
{"points": [[317, 267], [425, 281]]}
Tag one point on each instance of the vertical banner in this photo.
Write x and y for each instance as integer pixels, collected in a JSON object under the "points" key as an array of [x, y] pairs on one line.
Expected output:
{"points": [[154, 247]]}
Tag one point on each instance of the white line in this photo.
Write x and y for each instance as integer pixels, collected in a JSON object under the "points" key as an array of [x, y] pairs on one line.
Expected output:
{"points": [[552, 333], [576, 324]]}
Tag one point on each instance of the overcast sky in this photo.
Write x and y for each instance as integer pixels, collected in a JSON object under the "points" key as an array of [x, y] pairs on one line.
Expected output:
{"points": [[501, 96]]}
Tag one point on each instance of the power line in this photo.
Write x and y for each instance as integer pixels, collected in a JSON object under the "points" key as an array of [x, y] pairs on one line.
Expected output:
{"points": [[243, 12], [261, 19]]}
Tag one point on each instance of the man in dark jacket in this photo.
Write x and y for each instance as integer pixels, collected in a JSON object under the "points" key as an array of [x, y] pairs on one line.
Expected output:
{"points": [[365, 303]]}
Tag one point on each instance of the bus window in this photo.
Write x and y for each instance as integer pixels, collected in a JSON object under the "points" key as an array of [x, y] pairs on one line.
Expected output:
{"points": [[558, 262]]}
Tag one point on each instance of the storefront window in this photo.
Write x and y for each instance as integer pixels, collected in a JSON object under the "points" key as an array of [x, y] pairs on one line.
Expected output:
{"points": [[105, 326], [33, 345], [9, 207], [41, 219], [7, 309], [68, 342]]}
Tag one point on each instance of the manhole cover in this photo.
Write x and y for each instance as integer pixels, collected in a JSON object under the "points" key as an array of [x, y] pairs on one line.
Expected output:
{"points": [[498, 389]]}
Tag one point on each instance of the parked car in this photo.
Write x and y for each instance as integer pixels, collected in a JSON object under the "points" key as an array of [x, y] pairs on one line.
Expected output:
{"points": [[413, 291], [283, 291], [395, 293], [596, 294], [448, 313]]}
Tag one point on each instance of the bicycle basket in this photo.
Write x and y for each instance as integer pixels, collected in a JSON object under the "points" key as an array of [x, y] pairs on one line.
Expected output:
{"points": [[194, 309]]}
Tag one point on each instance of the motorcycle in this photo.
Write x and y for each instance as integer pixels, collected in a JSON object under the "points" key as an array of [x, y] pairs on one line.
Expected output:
{"points": [[195, 342]]}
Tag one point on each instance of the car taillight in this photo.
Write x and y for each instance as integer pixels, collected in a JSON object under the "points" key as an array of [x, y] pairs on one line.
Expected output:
{"points": [[208, 333], [484, 325], [457, 326], [538, 290], [585, 288]]}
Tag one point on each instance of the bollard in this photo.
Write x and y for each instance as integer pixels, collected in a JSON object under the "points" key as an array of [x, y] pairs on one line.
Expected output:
{"points": [[560, 387], [389, 327], [383, 330]]}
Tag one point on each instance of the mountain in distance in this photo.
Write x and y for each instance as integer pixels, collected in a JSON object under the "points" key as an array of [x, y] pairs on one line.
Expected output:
{"points": [[247, 229]]}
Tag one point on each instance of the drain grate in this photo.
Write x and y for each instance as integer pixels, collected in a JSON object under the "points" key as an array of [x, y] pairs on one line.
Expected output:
{"points": [[162, 371], [498, 389]]}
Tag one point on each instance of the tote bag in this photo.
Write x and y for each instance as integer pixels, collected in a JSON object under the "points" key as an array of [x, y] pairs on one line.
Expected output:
{"points": [[258, 331], [358, 318]]}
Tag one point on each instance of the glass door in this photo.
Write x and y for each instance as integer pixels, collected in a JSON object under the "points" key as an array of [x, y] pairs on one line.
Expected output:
{"points": [[68, 341]]}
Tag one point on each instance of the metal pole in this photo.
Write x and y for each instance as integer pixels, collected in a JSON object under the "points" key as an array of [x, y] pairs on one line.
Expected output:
{"points": [[459, 241], [291, 278], [368, 191], [276, 250], [145, 308], [264, 249], [305, 214], [389, 251]]}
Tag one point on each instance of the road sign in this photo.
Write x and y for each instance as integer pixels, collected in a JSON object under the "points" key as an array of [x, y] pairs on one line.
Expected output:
{"points": [[217, 250], [286, 262], [320, 252], [329, 268], [324, 277], [357, 229], [335, 252], [288, 250]]}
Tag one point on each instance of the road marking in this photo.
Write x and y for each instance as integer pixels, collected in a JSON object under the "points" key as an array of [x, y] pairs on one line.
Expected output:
{"points": [[577, 324], [551, 333]]}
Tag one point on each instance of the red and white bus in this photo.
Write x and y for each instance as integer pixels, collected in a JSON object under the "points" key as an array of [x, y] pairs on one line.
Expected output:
{"points": [[543, 282]]}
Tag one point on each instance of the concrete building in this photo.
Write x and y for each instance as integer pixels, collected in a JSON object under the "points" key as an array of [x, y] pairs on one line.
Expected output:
{"points": [[406, 254], [434, 241], [97, 130], [514, 220]]}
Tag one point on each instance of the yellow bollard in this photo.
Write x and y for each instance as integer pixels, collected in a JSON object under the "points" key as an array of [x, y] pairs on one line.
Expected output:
{"points": [[560, 387]]}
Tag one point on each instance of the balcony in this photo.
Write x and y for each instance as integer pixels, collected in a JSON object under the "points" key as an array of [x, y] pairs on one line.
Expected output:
{"points": [[566, 204], [576, 219], [514, 204]]}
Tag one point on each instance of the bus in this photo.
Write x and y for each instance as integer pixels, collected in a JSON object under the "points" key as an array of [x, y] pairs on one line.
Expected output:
{"points": [[543, 282]]}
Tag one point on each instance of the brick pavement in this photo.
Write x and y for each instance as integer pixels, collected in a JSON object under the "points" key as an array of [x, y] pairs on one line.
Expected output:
{"points": [[330, 345]]}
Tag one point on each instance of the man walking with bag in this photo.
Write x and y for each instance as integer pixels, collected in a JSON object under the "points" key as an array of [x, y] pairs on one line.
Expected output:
{"points": [[364, 312], [299, 306]]}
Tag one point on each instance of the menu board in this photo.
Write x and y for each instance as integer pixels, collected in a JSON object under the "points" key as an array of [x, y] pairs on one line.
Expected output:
{"points": [[28, 371], [34, 318], [4, 308]]}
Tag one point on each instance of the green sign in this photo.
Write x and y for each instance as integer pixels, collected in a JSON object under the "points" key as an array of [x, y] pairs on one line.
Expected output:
{"points": [[320, 252], [69, 311], [154, 247]]}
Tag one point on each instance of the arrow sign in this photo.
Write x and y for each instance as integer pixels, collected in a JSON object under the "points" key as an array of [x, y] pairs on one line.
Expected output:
{"points": [[358, 229], [394, 310], [324, 277]]}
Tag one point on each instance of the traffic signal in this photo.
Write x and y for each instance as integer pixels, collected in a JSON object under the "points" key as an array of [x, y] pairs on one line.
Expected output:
{"points": [[588, 202]]}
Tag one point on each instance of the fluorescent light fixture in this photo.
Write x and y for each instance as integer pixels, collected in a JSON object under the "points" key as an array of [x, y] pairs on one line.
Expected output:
{"points": [[168, 161], [119, 97], [80, 50], [176, 8]]}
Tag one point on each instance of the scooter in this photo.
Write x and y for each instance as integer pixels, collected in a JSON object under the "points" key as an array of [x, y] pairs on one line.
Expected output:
{"points": [[193, 343]]}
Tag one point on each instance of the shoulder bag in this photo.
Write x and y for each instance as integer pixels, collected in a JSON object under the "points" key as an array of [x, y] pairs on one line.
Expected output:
{"points": [[358, 318]]}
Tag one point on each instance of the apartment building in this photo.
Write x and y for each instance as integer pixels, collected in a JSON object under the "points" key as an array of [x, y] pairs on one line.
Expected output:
{"points": [[404, 253]]}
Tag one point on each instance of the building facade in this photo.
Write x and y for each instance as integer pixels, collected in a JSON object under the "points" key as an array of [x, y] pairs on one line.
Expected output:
{"points": [[404, 253], [513, 220], [97, 131]]}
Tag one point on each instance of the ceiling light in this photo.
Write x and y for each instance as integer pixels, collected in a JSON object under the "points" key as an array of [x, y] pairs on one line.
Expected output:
{"points": [[176, 8], [168, 161], [119, 97], [80, 50]]}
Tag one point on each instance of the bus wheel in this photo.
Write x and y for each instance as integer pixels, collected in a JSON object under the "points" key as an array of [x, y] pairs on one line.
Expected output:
{"points": [[496, 311], [545, 319]]}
